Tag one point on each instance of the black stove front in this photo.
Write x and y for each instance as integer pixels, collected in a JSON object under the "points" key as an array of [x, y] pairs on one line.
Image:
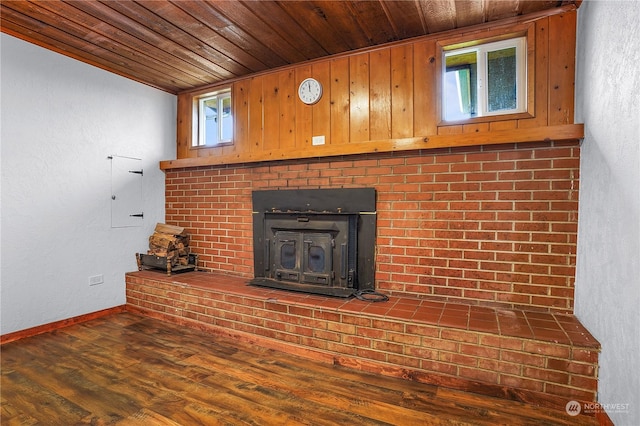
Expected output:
{"points": [[317, 241]]}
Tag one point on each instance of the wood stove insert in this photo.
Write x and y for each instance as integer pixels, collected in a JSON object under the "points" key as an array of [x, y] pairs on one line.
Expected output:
{"points": [[317, 241]]}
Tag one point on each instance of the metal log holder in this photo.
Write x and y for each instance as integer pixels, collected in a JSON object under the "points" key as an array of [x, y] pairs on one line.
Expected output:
{"points": [[151, 261]]}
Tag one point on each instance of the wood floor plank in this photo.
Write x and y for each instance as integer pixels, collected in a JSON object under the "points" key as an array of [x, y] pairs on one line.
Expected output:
{"points": [[291, 407], [38, 402], [84, 386], [146, 417], [220, 400], [12, 416], [522, 414], [126, 369], [193, 398], [295, 391], [361, 393]]}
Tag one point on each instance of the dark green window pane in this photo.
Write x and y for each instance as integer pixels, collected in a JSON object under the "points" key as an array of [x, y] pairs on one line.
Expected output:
{"points": [[501, 80]]}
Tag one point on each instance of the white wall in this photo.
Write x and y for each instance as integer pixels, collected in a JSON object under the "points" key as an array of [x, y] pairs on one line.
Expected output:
{"points": [[60, 121], [607, 298]]}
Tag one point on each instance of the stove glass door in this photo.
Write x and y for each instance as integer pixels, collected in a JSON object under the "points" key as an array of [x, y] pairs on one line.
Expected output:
{"points": [[287, 256], [304, 257], [317, 258]]}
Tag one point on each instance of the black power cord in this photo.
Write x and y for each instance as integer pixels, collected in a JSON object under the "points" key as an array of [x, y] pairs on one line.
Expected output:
{"points": [[370, 296]]}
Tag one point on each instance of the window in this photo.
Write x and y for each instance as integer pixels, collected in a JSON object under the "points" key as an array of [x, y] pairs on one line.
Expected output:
{"points": [[484, 80], [214, 119]]}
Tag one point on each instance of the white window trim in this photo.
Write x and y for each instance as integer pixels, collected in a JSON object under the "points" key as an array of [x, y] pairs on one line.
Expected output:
{"points": [[200, 125], [520, 44]]}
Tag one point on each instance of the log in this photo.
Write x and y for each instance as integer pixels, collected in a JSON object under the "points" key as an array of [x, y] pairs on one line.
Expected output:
{"points": [[162, 240], [170, 242], [163, 228]]}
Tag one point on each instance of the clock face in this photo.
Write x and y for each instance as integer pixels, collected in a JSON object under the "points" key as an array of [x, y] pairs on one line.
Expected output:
{"points": [[310, 91]]}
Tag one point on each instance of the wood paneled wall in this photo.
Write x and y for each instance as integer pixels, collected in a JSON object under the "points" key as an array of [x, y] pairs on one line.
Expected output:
{"points": [[386, 99]]}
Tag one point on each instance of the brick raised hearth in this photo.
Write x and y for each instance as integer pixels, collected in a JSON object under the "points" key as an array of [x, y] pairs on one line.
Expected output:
{"points": [[537, 357]]}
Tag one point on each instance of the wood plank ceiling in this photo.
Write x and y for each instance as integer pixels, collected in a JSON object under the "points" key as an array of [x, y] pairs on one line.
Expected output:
{"points": [[180, 45]]}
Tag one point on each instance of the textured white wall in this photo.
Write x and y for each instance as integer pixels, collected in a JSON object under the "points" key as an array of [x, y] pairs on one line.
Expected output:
{"points": [[60, 120], [607, 297]]}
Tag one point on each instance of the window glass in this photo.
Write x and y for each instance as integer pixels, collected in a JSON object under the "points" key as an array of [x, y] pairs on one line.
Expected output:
{"points": [[210, 109], [226, 122], [501, 79], [460, 86]]}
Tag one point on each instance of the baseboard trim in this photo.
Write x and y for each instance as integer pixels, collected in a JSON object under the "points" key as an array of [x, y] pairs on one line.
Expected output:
{"points": [[45, 328]]}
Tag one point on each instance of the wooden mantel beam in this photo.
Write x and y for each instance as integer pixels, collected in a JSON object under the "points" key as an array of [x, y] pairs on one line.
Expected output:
{"points": [[563, 132]]}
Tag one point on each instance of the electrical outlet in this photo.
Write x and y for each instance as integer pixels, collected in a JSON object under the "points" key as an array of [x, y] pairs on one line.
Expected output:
{"points": [[96, 279]]}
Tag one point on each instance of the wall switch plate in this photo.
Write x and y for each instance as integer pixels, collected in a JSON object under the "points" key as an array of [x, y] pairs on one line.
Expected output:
{"points": [[317, 140], [96, 279]]}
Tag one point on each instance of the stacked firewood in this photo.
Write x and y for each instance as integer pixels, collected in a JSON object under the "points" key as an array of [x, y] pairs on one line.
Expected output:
{"points": [[171, 242]]}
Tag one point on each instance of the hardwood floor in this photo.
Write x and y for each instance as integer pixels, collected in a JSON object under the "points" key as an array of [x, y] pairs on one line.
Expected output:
{"points": [[126, 369]]}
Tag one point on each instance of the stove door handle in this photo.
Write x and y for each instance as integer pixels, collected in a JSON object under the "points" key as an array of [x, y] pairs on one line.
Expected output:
{"points": [[343, 261]]}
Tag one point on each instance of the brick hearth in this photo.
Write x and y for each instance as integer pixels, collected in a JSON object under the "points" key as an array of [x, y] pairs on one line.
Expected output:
{"points": [[537, 357]]}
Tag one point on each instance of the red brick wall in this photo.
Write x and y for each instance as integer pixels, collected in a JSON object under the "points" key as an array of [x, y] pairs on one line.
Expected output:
{"points": [[485, 225]]}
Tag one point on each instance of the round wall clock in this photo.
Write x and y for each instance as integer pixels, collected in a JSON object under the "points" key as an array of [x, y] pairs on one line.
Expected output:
{"points": [[310, 91]]}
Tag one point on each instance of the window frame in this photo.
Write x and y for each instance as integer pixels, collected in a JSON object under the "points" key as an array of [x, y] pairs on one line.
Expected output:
{"points": [[526, 108], [199, 124]]}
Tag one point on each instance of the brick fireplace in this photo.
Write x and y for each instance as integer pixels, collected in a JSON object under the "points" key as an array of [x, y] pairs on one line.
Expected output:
{"points": [[475, 248], [493, 225]]}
